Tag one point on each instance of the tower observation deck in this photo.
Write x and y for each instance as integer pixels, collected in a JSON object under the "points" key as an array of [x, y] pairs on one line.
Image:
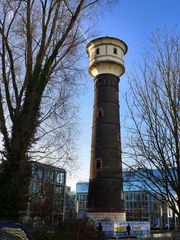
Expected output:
{"points": [[106, 65]]}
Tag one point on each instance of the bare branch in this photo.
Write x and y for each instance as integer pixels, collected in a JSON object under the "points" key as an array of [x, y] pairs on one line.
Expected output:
{"points": [[155, 114]]}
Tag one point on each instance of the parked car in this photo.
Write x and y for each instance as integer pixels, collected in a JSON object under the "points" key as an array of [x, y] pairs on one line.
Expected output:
{"points": [[13, 231]]}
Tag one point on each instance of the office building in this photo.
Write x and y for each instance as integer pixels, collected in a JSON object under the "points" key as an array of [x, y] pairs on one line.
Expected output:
{"points": [[139, 204], [81, 199], [70, 205], [46, 195]]}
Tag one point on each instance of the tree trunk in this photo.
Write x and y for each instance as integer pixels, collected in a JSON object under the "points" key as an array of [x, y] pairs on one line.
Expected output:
{"points": [[14, 185]]}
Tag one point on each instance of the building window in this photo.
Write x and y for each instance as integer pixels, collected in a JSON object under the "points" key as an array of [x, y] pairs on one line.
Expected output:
{"points": [[82, 187], [49, 175], [98, 163], [60, 177], [116, 96], [122, 196], [36, 187], [100, 112], [82, 197], [97, 51], [115, 51], [59, 189], [37, 172]]}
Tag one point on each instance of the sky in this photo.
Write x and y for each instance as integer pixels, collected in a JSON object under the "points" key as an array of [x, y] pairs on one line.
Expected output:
{"points": [[133, 21]]}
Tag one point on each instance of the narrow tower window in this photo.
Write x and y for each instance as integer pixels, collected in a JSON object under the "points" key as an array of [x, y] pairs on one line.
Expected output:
{"points": [[115, 51], [100, 112], [116, 96], [98, 163], [122, 196], [97, 51]]}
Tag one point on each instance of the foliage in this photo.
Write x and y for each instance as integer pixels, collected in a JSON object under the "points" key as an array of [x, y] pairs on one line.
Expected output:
{"points": [[79, 230]]}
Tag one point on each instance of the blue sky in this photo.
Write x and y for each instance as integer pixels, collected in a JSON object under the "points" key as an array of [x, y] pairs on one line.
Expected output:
{"points": [[133, 21]]}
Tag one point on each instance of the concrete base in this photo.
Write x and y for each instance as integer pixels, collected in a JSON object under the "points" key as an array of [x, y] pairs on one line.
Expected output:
{"points": [[106, 216]]}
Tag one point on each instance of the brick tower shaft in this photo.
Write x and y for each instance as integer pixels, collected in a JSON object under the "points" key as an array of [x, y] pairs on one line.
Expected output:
{"points": [[105, 197]]}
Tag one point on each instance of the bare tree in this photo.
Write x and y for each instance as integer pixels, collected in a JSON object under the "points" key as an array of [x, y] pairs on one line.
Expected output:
{"points": [[154, 124], [39, 52]]}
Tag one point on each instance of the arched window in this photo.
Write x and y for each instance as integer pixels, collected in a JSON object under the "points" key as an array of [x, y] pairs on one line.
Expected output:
{"points": [[116, 96], [100, 112], [122, 196], [98, 163], [97, 51], [118, 137], [115, 51]]}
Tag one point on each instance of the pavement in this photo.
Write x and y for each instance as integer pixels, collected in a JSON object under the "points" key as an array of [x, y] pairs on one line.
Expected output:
{"points": [[147, 238], [153, 236]]}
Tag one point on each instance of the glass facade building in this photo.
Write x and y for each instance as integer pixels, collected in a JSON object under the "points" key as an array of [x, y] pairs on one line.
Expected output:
{"points": [[139, 204], [70, 206], [81, 198], [46, 194], [82, 187]]}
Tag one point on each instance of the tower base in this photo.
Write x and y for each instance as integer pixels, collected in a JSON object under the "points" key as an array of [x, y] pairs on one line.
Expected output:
{"points": [[106, 216]]}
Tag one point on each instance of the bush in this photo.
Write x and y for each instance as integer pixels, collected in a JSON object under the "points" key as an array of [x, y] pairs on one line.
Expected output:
{"points": [[78, 230]]}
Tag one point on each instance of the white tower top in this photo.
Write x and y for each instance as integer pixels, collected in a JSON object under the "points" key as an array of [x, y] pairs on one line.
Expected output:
{"points": [[106, 55]]}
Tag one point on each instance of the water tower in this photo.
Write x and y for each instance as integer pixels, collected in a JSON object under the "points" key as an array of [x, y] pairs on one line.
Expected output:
{"points": [[105, 196]]}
